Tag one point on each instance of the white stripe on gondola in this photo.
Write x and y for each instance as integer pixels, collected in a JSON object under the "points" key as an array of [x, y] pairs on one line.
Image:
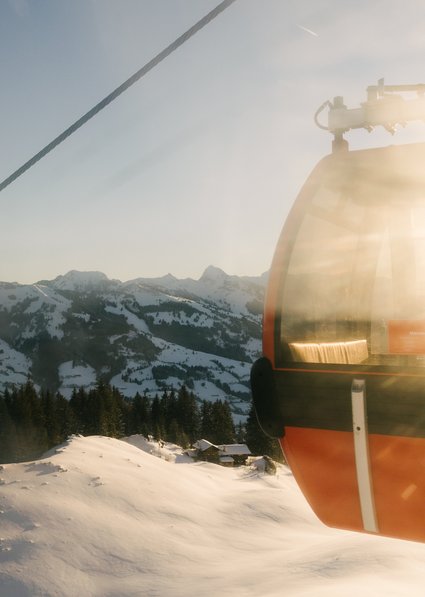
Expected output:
{"points": [[361, 451]]}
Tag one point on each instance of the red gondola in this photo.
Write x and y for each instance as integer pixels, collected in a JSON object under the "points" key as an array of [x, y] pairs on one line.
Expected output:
{"points": [[342, 379]]}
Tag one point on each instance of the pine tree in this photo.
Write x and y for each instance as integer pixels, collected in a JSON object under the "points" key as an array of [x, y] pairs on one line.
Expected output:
{"points": [[8, 448], [187, 414], [66, 418], [26, 412], [118, 410], [78, 405], [222, 423], [240, 433], [217, 423], [258, 442], [206, 420], [174, 432], [169, 410], [127, 416], [140, 415], [51, 420], [102, 409], [158, 419]]}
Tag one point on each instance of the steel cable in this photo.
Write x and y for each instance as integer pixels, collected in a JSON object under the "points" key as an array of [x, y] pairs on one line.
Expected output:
{"points": [[118, 91]]}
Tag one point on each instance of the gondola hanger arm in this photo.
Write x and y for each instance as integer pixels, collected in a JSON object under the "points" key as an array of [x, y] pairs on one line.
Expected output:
{"points": [[386, 106]]}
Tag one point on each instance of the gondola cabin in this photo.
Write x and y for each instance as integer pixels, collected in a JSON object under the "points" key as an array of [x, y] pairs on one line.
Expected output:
{"points": [[342, 379]]}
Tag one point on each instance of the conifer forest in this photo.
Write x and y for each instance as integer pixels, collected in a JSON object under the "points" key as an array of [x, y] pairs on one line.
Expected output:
{"points": [[33, 421]]}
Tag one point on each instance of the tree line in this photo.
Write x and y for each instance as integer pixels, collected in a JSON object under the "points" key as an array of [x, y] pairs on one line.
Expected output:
{"points": [[32, 421]]}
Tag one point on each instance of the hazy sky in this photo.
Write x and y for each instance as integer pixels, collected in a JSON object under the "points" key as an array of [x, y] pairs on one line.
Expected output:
{"points": [[199, 162]]}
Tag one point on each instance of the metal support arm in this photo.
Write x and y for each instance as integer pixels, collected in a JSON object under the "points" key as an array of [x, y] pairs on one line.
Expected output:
{"points": [[385, 107]]}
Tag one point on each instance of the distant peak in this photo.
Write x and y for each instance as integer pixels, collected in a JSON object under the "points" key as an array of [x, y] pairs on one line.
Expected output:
{"points": [[75, 279], [84, 276], [168, 277], [213, 274]]}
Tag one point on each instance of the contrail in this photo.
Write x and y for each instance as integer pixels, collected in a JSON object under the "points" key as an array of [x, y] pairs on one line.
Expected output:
{"points": [[308, 31]]}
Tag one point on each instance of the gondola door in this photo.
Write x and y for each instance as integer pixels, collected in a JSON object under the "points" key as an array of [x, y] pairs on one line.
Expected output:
{"points": [[342, 381]]}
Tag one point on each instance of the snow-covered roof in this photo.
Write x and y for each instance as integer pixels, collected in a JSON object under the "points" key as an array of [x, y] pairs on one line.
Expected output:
{"points": [[225, 449], [204, 444], [235, 449]]}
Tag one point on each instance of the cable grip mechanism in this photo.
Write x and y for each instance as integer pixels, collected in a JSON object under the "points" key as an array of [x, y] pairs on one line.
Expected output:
{"points": [[386, 106]]}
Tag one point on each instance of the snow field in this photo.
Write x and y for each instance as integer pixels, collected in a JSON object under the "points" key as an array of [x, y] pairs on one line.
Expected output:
{"points": [[107, 518], [14, 366], [75, 376]]}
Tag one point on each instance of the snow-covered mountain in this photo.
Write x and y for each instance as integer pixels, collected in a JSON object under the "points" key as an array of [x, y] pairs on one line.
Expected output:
{"points": [[140, 335], [100, 517]]}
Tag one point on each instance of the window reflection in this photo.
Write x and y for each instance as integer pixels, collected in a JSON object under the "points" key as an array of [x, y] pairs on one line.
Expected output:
{"points": [[354, 291]]}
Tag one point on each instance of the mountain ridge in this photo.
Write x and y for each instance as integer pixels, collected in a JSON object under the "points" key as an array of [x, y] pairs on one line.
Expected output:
{"points": [[143, 335]]}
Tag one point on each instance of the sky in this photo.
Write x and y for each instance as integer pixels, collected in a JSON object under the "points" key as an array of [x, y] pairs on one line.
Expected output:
{"points": [[200, 161]]}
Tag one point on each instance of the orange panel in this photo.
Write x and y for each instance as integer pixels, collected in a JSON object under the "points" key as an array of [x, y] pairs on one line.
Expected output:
{"points": [[406, 337], [398, 476], [323, 465]]}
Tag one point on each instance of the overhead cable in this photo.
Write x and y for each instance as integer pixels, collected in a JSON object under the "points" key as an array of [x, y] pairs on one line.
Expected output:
{"points": [[118, 91]]}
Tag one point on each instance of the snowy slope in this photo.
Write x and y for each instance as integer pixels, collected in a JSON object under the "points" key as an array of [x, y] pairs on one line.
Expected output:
{"points": [[14, 366], [104, 518]]}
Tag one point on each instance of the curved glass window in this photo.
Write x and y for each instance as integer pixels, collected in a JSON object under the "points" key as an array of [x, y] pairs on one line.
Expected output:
{"points": [[354, 287]]}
